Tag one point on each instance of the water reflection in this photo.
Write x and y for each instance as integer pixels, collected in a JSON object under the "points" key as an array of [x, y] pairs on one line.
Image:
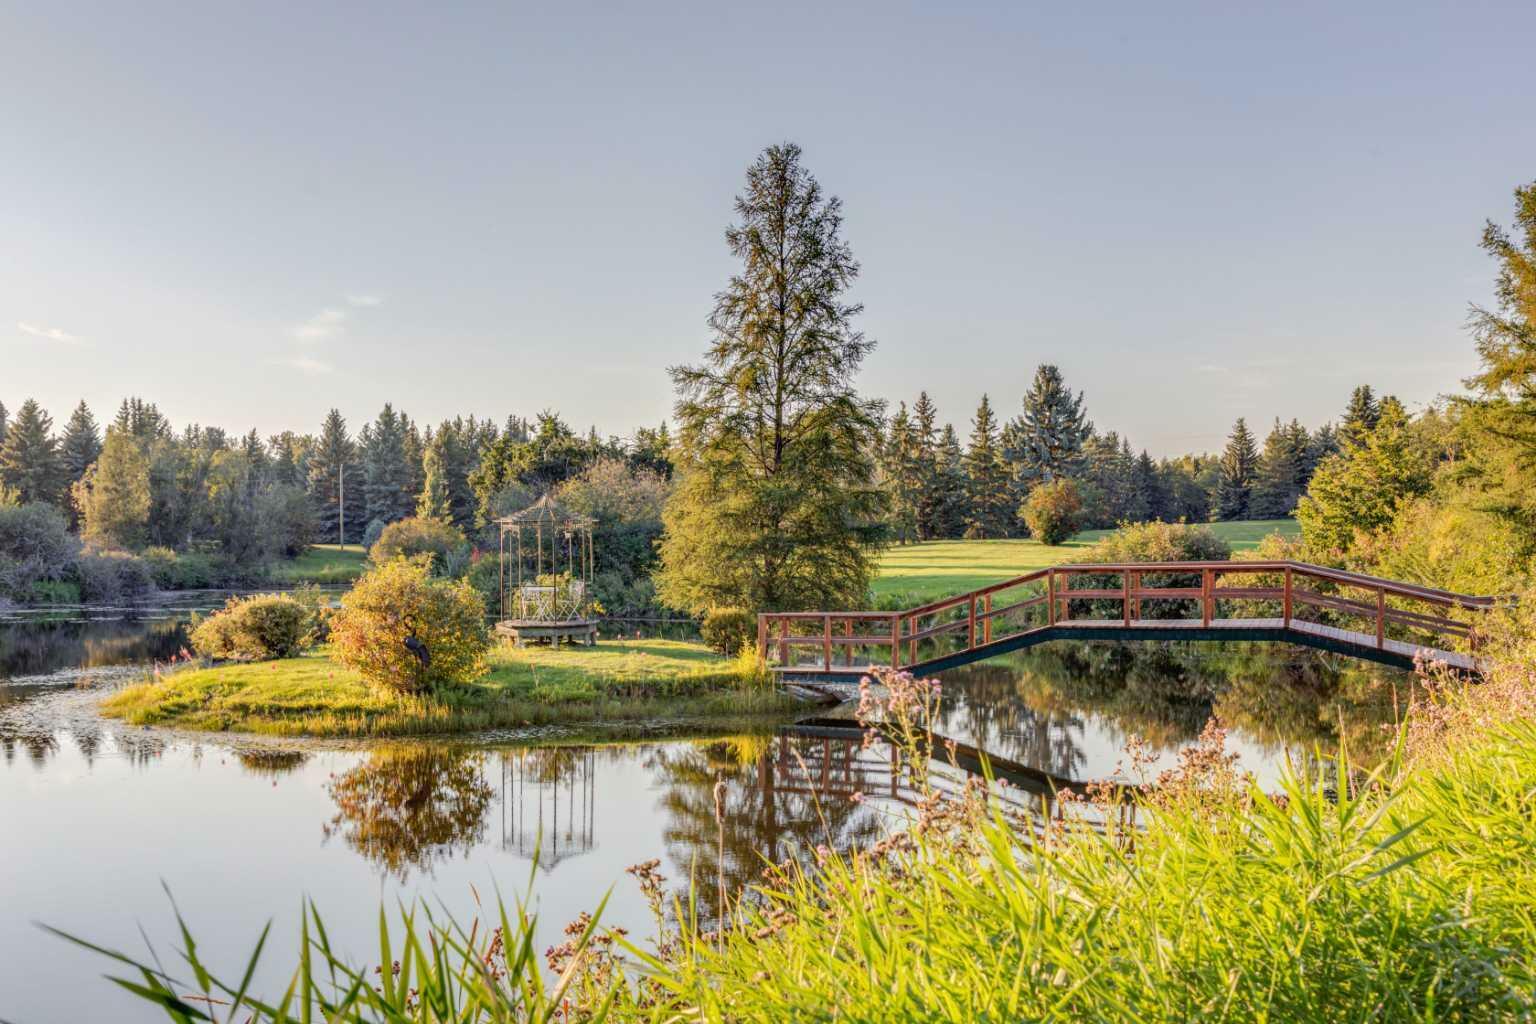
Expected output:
{"points": [[548, 802], [410, 806]]}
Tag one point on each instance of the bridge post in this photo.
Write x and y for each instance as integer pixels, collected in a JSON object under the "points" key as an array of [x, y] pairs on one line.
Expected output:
{"points": [[1136, 601], [1381, 618], [783, 641], [762, 636], [986, 627], [1206, 580], [972, 623], [1125, 596], [826, 642], [1286, 604], [895, 641], [1050, 597]]}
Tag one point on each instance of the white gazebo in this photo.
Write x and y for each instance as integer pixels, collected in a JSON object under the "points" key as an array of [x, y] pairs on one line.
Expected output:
{"points": [[546, 575]]}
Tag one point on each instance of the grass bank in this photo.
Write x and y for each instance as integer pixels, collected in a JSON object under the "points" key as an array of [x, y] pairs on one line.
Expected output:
{"points": [[322, 563], [915, 573], [614, 683]]}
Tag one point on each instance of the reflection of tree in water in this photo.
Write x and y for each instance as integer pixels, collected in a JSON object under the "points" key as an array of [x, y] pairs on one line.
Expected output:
{"points": [[1276, 695], [982, 705], [783, 796], [548, 802], [411, 806], [40, 646]]}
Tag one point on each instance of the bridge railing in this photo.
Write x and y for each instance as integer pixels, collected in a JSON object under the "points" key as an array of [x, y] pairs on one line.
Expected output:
{"points": [[1289, 595]]}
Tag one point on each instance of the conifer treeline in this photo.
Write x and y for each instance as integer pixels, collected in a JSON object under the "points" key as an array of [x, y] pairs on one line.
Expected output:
{"points": [[141, 483], [939, 489]]}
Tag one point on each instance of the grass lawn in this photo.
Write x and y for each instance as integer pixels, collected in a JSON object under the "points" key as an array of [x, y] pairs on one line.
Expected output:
{"points": [[915, 573], [615, 682], [323, 563]]}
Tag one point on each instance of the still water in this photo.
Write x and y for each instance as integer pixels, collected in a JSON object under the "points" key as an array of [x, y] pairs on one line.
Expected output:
{"points": [[95, 817]]}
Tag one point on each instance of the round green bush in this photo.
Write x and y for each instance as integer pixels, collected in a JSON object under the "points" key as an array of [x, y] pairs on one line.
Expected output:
{"points": [[257, 628], [404, 630], [408, 538], [1053, 511], [727, 629]]}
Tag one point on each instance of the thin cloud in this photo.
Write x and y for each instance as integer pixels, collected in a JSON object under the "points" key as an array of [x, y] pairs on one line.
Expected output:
{"points": [[307, 365], [325, 324], [364, 300], [47, 333]]}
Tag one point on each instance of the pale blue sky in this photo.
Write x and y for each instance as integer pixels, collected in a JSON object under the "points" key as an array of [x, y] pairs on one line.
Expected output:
{"points": [[252, 212]]}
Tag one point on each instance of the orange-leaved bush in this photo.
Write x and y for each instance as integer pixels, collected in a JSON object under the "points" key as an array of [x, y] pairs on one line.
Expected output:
{"points": [[404, 630]]}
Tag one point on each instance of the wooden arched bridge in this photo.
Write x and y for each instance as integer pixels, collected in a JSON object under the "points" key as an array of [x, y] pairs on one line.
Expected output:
{"points": [[1365, 616]]}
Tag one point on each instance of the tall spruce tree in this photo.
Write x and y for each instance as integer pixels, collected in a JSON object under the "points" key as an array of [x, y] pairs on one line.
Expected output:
{"points": [[1361, 488], [334, 471], [434, 503], [952, 507], [1283, 471], [29, 457], [114, 495], [1045, 442], [925, 429], [1234, 486], [80, 444], [901, 473], [387, 475], [776, 504], [1151, 488], [989, 495]]}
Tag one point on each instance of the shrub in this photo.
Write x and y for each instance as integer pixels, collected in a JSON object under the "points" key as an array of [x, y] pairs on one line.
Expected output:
{"points": [[1153, 542], [409, 538], [398, 601], [1052, 511], [257, 628], [35, 548], [727, 629], [374, 531], [106, 576]]}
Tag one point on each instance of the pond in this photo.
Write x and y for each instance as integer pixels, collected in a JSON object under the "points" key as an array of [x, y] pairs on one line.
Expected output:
{"points": [[95, 816]]}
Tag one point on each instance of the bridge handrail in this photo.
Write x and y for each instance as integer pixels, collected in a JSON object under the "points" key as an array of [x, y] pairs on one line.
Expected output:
{"points": [[1131, 592]]}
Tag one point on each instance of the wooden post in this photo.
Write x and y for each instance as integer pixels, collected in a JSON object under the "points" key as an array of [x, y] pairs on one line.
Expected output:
{"points": [[895, 641], [1381, 618], [1125, 597], [912, 644], [762, 636], [1136, 600], [1205, 597], [986, 627], [848, 648], [1286, 604], [971, 624], [783, 641], [826, 642], [1050, 597]]}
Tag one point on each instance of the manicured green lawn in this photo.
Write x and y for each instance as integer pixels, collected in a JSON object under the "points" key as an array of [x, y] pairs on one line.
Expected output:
{"points": [[616, 681], [926, 572], [323, 563]]}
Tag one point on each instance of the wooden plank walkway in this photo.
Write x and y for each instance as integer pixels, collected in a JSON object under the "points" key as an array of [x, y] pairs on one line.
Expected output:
{"points": [[1406, 622]]}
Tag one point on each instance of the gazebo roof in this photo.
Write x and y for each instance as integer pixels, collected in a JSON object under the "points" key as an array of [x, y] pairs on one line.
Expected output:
{"points": [[545, 512]]}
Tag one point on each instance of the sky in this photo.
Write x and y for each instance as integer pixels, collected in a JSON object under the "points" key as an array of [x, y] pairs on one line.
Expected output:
{"points": [[251, 213]]}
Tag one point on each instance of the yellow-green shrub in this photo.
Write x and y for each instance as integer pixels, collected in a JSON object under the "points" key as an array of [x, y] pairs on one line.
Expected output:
{"points": [[726, 629], [401, 600], [257, 628]]}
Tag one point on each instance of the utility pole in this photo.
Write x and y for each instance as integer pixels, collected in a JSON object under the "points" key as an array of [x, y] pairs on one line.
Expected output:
{"points": [[341, 504]]}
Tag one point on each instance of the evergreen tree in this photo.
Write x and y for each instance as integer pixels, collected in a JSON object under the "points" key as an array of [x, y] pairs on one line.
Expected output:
{"points": [[1324, 442], [287, 465], [142, 420], [651, 450], [1108, 493], [333, 469], [80, 444], [901, 475], [1046, 441], [1361, 488], [1283, 471], [434, 503], [29, 457], [1501, 420], [952, 507], [387, 473], [1234, 486], [989, 498], [1151, 490], [926, 436], [1360, 416], [4, 420], [776, 504]]}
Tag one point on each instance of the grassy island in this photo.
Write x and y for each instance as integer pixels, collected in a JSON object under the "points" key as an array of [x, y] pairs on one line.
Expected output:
{"points": [[614, 683]]}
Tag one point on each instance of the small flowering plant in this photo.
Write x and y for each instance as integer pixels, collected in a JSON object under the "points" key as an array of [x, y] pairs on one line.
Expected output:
{"points": [[899, 707]]}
